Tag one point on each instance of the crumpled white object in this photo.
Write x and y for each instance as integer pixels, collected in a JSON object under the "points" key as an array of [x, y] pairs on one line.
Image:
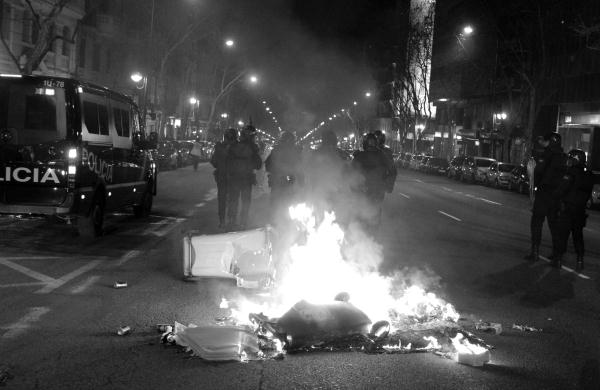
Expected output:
{"points": [[219, 343]]}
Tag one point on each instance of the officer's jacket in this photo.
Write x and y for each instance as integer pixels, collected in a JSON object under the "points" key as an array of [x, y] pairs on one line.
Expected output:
{"points": [[284, 160], [243, 158], [576, 187], [374, 166], [219, 158], [550, 169]]}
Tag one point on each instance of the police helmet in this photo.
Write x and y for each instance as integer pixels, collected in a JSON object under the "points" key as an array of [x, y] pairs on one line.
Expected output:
{"points": [[230, 135], [370, 143], [287, 138], [328, 137], [380, 137], [578, 155], [553, 138]]}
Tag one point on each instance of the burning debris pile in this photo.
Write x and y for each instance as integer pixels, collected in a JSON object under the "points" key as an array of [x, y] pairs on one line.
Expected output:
{"points": [[301, 317]]}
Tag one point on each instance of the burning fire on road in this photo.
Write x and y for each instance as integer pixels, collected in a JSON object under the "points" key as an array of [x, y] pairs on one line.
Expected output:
{"points": [[327, 295]]}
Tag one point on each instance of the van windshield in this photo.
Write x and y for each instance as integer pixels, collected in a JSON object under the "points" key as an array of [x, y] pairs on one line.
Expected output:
{"points": [[483, 163], [28, 110]]}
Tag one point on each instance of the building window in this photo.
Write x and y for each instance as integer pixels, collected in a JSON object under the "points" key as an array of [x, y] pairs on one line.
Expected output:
{"points": [[81, 53], [96, 58], [5, 20], [66, 44]]}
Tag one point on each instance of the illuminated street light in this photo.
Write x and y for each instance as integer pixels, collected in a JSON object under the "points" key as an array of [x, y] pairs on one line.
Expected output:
{"points": [[368, 94], [253, 79], [229, 43], [193, 100], [355, 103], [137, 77], [468, 30], [240, 123], [224, 115]]}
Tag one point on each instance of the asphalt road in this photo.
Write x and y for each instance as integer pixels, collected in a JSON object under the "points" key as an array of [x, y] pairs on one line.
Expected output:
{"points": [[60, 312]]}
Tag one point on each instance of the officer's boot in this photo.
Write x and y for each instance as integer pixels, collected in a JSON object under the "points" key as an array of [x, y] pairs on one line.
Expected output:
{"points": [[579, 264], [534, 255], [557, 260]]}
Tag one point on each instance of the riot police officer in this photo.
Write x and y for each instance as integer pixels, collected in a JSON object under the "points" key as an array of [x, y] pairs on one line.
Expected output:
{"points": [[285, 174], [242, 160], [219, 161], [372, 164], [576, 188], [391, 175], [549, 170]]}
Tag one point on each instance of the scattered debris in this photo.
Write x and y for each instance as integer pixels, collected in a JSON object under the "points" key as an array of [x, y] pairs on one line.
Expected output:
{"points": [[124, 330], [492, 327], [162, 328], [120, 284], [526, 328]]}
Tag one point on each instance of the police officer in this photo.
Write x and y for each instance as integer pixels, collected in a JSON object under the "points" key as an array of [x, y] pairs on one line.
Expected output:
{"points": [[372, 164], [219, 161], [242, 160], [548, 173], [285, 174], [391, 175], [576, 188]]}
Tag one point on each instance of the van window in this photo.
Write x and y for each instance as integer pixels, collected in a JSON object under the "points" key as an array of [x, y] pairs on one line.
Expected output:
{"points": [[96, 118], [483, 163], [40, 112], [121, 122]]}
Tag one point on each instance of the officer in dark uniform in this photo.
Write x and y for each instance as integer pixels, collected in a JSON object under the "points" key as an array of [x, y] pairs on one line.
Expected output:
{"points": [[549, 171], [372, 164], [219, 161], [243, 158], [285, 174], [576, 188], [391, 175]]}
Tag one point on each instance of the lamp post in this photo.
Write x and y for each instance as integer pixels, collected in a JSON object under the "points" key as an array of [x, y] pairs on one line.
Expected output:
{"points": [[141, 82]]}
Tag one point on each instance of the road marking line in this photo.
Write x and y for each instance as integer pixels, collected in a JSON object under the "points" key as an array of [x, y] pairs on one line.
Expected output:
{"points": [[164, 232], [447, 189], [211, 195], [450, 216], [21, 284], [29, 272], [84, 286], [419, 180], [202, 204], [127, 256], [59, 282], [404, 195], [582, 276], [24, 323], [490, 201]]}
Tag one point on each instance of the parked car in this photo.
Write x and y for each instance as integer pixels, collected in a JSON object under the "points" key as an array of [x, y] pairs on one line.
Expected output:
{"points": [[167, 155], [474, 169], [183, 149], [437, 166], [414, 161], [519, 180], [422, 165], [455, 166], [498, 175]]}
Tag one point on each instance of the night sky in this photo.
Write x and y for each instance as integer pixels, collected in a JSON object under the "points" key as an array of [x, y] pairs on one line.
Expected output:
{"points": [[309, 53]]}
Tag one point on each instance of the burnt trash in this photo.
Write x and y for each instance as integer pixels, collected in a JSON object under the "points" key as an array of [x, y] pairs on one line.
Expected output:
{"points": [[124, 330], [489, 327], [526, 328]]}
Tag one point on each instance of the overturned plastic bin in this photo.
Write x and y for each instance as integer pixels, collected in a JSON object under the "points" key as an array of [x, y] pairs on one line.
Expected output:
{"points": [[245, 257], [220, 343]]}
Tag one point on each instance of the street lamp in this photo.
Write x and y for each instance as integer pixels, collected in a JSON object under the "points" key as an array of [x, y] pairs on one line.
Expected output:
{"points": [[468, 30], [141, 82], [253, 79], [229, 43], [368, 94]]}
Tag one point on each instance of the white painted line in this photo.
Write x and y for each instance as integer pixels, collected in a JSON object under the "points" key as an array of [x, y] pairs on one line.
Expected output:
{"points": [[21, 284], [419, 180], [582, 276], [24, 323], [200, 204], [59, 282], [84, 286], [447, 189], [450, 216], [404, 195], [164, 232], [29, 272], [490, 201], [127, 256], [470, 196]]}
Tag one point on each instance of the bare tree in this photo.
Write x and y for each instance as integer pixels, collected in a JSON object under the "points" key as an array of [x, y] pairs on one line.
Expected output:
{"points": [[44, 20]]}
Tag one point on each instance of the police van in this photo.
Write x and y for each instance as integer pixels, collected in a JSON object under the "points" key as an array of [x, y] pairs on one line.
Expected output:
{"points": [[72, 150]]}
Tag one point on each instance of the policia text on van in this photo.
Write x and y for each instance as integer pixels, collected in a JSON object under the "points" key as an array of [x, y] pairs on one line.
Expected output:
{"points": [[73, 150]]}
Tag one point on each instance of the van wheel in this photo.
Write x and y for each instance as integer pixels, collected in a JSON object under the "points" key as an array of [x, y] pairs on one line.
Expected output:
{"points": [[92, 224], [144, 208]]}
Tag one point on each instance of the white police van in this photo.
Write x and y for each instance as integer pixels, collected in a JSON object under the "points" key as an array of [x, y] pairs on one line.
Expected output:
{"points": [[72, 150]]}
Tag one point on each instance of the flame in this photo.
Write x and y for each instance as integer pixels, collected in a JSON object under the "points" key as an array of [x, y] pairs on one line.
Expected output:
{"points": [[464, 346], [224, 304], [318, 271]]}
